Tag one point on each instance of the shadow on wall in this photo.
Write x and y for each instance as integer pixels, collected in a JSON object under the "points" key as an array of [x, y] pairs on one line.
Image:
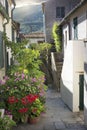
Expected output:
{"points": [[66, 95]]}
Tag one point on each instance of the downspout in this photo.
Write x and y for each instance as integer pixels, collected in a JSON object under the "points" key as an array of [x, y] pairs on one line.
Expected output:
{"points": [[4, 47], [12, 11], [12, 15], [44, 24]]}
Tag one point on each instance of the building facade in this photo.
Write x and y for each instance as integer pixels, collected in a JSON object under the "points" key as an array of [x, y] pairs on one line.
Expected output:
{"points": [[54, 11], [6, 8], [74, 72]]}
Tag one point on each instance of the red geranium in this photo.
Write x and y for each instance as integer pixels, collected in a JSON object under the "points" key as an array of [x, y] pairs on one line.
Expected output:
{"points": [[23, 110], [12, 100], [24, 101], [31, 98]]}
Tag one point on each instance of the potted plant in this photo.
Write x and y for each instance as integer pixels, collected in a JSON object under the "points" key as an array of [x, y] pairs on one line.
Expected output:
{"points": [[35, 111]]}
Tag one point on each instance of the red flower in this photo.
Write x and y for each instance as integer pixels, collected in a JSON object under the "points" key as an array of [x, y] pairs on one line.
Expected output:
{"points": [[12, 100], [23, 110], [31, 98], [24, 101]]}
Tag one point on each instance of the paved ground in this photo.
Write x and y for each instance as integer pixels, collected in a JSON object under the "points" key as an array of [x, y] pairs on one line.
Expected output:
{"points": [[57, 117]]}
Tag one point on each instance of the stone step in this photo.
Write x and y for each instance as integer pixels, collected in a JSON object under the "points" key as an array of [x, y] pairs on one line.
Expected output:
{"points": [[59, 63]]}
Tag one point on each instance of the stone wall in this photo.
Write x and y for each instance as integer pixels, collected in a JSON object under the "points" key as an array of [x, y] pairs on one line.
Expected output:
{"points": [[50, 14], [56, 64]]}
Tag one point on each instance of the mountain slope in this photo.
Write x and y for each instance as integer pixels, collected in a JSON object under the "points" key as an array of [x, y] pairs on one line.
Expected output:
{"points": [[30, 18]]}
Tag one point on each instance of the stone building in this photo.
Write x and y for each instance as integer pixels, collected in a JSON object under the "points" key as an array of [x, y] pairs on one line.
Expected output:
{"points": [[55, 10]]}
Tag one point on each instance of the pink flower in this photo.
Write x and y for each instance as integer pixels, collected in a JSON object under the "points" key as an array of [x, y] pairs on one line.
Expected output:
{"points": [[34, 80], [22, 76], [2, 82], [6, 78]]}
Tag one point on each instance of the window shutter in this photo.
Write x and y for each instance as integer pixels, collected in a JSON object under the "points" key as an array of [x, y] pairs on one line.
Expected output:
{"points": [[75, 23], [1, 52], [62, 12], [58, 12]]}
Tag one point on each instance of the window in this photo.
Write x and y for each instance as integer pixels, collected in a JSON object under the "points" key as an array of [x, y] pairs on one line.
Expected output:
{"points": [[75, 26], [60, 12], [1, 52]]}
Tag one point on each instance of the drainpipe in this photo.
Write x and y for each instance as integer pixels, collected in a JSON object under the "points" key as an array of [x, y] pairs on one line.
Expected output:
{"points": [[13, 10], [12, 16], [44, 26], [4, 46]]}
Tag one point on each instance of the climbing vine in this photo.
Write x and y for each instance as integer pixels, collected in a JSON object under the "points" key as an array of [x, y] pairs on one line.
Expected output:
{"points": [[57, 36]]}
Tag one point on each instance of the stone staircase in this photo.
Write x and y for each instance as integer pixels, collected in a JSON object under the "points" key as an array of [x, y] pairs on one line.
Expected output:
{"points": [[57, 63]]}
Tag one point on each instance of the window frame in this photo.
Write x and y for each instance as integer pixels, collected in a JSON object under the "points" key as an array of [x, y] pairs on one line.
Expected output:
{"points": [[60, 12]]}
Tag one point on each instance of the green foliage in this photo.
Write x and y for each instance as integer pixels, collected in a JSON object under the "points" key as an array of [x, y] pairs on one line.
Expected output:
{"points": [[6, 123], [2, 104], [43, 48], [57, 35], [25, 58]]}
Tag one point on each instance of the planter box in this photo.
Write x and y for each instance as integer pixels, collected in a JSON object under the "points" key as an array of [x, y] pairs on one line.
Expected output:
{"points": [[2, 112]]}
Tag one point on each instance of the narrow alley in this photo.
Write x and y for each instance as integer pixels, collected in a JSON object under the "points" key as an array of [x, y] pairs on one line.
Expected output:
{"points": [[57, 116]]}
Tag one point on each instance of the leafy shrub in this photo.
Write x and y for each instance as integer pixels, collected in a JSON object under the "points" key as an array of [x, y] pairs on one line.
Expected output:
{"points": [[6, 123]]}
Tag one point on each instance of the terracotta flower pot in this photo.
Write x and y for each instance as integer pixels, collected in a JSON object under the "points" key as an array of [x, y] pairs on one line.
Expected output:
{"points": [[34, 120], [24, 119]]}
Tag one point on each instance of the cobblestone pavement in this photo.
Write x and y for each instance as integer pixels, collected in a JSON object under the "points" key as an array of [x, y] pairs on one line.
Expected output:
{"points": [[57, 116]]}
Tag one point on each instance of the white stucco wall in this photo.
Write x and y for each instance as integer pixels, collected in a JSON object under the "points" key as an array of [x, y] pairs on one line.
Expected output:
{"points": [[67, 77], [72, 67], [1, 23], [81, 15], [9, 31], [78, 68], [35, 40]]}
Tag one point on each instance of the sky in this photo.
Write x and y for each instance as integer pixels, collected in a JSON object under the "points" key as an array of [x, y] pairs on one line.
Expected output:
{"points": [[20, 3]]}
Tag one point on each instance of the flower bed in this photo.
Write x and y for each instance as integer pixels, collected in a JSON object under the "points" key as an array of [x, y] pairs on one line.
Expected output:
{"points": [[23, 96]]}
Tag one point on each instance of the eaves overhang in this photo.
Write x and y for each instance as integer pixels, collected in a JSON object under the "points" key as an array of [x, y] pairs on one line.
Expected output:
{"points": [[65, 19]]}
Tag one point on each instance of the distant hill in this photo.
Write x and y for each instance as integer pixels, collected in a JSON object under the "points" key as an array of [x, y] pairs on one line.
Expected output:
{"points": [[30, 18]]}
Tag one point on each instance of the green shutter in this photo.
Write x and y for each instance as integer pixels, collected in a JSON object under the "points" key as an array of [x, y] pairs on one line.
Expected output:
{"points": [[1, 52], [81, 92], [75, 23]]}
